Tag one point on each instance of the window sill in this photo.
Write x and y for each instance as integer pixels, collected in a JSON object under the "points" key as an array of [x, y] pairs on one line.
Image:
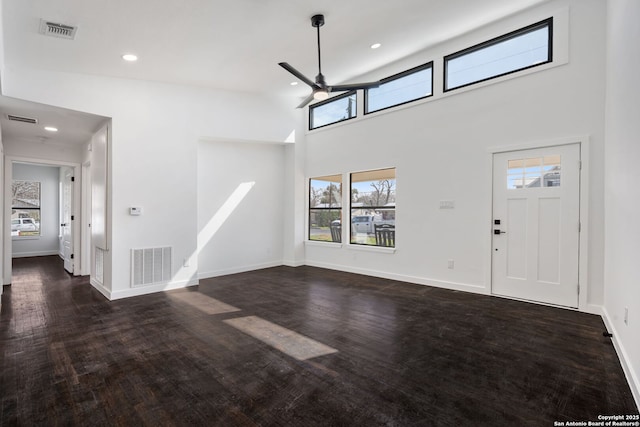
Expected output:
{"points": [[324, 244], [371, 248]]}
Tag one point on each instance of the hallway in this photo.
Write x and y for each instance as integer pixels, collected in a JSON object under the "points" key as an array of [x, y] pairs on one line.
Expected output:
{"points": [[391, 353]]}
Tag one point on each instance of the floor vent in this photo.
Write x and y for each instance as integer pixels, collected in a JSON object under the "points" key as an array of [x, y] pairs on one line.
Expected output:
{"points": [[150, 266], [54, 29], [22, 119]]}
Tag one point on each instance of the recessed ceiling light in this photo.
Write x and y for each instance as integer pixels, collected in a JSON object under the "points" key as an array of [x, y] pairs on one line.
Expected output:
{"points": [[294, 83], [129, 57], [51, 129], [375, 45]]}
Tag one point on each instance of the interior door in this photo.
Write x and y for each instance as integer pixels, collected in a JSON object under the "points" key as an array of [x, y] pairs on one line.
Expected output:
{"points": [[66, 225], [536, 224]]}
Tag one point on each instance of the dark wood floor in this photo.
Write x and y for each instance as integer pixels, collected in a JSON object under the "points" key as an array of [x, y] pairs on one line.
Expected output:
{"points": [[407, 355]]}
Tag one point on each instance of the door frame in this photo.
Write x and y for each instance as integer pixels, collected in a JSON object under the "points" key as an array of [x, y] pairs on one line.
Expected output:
{"points": [[583, 248], [75, 209]]}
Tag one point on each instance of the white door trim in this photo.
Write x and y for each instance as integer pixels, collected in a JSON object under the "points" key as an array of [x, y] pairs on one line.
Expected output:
{"points": [[8, 177], [583, 271]]}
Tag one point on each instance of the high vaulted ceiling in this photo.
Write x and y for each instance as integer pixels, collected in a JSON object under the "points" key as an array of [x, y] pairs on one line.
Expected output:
{"points": [[236, 45]]}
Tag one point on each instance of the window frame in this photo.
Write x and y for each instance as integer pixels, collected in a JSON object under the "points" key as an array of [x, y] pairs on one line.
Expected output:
{"points": [[329, 208], [548, 23], [350, 217], [330, 100], [38, 209], [428, 65]]}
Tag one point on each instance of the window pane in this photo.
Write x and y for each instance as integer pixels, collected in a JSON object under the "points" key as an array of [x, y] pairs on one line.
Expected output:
{"points": [[320, 223], [373, 208], [332, 111], [551, 171], [26, 194], [325, 202], [408, 86], [534, 172], [25, 222], [325, 192], [516, 51]]}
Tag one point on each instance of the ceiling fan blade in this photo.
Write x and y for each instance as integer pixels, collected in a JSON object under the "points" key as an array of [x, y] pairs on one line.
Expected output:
{"points": [[307, 100], [297, 73], [353, 86]]}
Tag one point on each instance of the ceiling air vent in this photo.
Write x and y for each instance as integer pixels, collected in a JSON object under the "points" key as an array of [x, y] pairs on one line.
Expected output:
{"points": [[22, 119], [54, 29]]}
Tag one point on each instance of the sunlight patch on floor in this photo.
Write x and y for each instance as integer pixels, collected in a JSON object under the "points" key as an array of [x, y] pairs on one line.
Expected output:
{"points": [[282, 339], [204, 303]]}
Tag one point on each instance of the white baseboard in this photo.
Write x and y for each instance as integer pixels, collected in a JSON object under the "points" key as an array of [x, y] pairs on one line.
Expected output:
{"points": [[632, 376], [144, 290], [35, 253], [476, 289], [293, 263], [238, 269], [100, 288]]}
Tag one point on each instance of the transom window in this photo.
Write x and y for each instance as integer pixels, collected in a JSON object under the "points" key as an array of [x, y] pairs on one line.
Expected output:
{"points": [[25, 208], [534, 172], [325, 208], [410, 85], [373, 207], [333, 110], [521, 49]]}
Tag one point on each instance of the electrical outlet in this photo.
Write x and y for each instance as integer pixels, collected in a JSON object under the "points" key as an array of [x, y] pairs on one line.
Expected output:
{"points": [[450, 264], [626, 316]]}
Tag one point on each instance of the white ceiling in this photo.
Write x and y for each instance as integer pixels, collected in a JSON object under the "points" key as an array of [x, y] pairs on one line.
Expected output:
{"points": [[235, 45]]}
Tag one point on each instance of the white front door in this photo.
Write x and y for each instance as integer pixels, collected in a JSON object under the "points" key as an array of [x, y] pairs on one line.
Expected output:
{"points": [[66, 225], [536, 224]]}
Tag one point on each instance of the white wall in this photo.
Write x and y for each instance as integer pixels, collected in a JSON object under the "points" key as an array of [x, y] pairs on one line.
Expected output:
{"points": [[43, 152], [240, 206], [622, 197], [155, 131], [440, 149], [2, 245], [48, 242]]}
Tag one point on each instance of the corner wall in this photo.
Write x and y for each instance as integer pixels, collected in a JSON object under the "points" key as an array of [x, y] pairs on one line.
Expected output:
{"points": [[622, 197], [240, 206], [153, 154]]}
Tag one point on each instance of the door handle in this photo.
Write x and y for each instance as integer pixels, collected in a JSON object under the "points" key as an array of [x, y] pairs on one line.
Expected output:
{"points": [[63, 225], [499, 232]]}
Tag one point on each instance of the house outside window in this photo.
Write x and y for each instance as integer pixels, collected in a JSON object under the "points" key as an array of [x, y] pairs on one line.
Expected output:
{"points": [[25, 208], [373, 207]]}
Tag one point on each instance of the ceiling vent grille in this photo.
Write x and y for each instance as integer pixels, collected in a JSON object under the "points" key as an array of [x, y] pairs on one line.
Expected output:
{"points": [[54, 29], [22, 119]]}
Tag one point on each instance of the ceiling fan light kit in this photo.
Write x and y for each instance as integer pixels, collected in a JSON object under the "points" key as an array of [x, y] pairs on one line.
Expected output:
{"points": [[320, 90]]}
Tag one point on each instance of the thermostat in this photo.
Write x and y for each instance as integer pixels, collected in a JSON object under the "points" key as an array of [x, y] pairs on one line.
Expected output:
{"points": [[135, 211]]}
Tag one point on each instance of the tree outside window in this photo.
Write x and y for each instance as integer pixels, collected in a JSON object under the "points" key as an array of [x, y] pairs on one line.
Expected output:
{"points": [[25, 208]]}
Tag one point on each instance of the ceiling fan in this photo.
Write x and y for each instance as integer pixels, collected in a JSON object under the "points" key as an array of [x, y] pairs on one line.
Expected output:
{"points": [[320, 88]]}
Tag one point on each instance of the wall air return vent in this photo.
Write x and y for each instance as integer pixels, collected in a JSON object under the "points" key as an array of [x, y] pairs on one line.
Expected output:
{"points": [[150, 266], [54, 29], [22, 119]]}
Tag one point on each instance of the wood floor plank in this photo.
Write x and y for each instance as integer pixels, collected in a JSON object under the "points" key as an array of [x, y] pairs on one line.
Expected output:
{"points": [[407, 355]]}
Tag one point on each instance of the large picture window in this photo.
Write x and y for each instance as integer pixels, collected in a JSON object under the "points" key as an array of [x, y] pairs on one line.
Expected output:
{"points": [[410, 85], [325, 208], [521, 49], [25, 208], [373, 207], [333, 110]]}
